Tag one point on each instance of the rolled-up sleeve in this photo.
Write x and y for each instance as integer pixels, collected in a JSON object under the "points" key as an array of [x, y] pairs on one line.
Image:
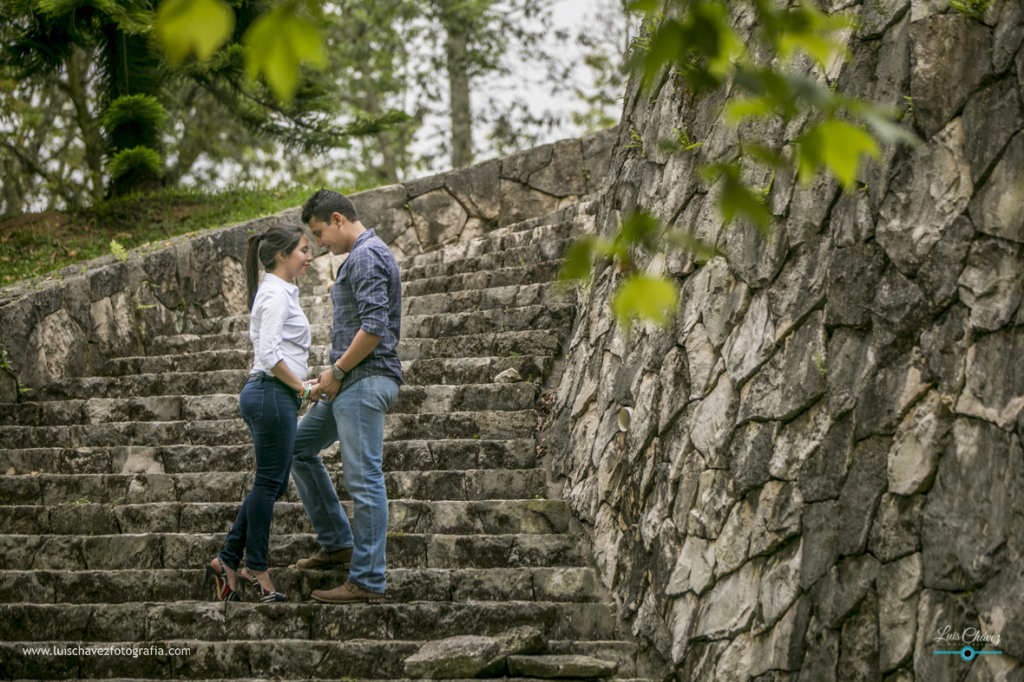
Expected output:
{"points": [[272, 312], [369, 277]]}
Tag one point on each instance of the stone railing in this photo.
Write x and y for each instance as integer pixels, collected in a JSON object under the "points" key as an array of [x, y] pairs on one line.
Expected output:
{"points": [[70, 322]]}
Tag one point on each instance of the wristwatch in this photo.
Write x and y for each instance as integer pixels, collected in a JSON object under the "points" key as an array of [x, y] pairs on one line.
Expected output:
{"points": [[338, 372]]}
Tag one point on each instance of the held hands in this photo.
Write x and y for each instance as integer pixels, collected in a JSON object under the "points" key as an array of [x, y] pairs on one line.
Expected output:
{"points": [[310, 390], [327, 386]]}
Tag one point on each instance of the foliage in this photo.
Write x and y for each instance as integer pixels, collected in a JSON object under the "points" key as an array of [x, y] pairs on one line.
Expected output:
{"points": [[118, 251], [87, 57], [698, 43], [972, 8], [146, 221], [139, 160]]}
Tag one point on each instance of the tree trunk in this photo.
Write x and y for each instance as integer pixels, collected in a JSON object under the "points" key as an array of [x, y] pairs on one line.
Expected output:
{"points": [[92, 138], [458, 83]]}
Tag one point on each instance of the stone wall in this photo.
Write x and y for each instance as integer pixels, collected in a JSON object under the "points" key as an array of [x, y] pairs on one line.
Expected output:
{"points": [[70, 322], [823, 467]]}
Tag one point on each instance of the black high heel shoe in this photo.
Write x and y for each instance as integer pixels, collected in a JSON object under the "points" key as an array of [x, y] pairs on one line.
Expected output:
{"points": [[265, 595], [224, 591]]}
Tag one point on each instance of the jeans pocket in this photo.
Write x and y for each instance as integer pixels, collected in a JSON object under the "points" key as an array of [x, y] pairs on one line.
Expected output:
{"points": [[250, 402]]}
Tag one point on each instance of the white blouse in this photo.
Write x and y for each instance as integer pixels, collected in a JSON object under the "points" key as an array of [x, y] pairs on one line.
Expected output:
{"points": [[278, 328]]}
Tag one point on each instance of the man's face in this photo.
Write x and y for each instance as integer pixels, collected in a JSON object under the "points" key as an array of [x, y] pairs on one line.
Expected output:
{"points": [[330, 235]]}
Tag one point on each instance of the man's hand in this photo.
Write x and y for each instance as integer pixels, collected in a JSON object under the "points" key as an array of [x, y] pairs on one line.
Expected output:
{"points": [[328, 385]]}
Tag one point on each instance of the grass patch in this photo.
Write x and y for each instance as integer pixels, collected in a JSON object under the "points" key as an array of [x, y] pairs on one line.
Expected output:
{"points": [[35, 244]]}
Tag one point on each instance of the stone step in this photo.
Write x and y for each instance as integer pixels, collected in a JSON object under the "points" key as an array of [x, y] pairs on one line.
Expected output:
{"points": [[557, 317], [221, 621], [437, 399], [497, 298], [454, 455], [482, 370], [86, 490], [538, 273], [415, 326], [560, 584], [487, 425], [425, 362], [514, 257], [498, 240], [191, 550], [490, 517], [235, 660], [546, 342]]}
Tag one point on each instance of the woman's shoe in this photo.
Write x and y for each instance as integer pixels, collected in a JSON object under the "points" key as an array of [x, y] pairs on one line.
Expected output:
{"points": [[224, 591], [265, 596]]}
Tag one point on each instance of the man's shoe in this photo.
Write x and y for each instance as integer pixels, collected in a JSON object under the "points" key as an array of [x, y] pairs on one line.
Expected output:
{"points": [[347, 594], [340, 559]]}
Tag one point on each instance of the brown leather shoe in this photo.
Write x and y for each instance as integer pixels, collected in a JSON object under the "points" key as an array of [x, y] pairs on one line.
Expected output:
{"points": [[347, 594], [340, 559]]}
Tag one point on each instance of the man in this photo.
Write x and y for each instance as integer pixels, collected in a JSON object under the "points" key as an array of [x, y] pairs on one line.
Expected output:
{"points": [[360, 387]]}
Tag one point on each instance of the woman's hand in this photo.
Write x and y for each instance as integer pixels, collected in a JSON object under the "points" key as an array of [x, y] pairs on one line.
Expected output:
{"points": [[314, 390]]}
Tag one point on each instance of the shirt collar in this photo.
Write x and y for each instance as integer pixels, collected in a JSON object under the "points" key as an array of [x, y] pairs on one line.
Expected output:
{"points": [[274, 280], [363, 237]]}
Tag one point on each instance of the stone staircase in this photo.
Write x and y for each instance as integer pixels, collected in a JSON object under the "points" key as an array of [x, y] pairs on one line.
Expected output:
{"points": [[119, 487]]}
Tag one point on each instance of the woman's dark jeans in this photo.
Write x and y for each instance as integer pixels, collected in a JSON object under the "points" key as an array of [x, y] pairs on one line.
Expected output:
{"points": [[270, 409]]}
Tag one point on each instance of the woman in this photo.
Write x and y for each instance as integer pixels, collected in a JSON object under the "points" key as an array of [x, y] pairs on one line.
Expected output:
{"points": [[269, 402]]}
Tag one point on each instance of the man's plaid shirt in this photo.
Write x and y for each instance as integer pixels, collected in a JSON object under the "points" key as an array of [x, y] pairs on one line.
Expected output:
{"points": [[367, 295]]}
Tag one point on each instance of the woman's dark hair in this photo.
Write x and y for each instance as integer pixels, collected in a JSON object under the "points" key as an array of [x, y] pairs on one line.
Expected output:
{"points": [[263, 248]]}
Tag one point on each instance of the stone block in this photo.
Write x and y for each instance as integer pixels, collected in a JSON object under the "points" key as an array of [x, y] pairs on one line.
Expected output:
{"points": [[896, 531], [791, 380], [840, 592], [984, 141], [940, 86], [477, 189], [520, 202], [729, 607], [990, 285], [925, 199], [553, 667], [385, 210], [967, 516], [899, 585], [919, 441], [750, 452], [858, 644], [800, 287], [563, 175], [861, 492]]}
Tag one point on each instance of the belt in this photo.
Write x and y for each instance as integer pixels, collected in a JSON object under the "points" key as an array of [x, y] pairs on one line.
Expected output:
{"points": [[262, 377]]}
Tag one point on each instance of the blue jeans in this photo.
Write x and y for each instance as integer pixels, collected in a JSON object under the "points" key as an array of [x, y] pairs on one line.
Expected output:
{"points": [[356, 420], [270, 409]]}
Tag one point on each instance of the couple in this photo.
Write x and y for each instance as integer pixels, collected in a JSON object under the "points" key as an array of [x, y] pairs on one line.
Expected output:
{"points": [[352, 398]]}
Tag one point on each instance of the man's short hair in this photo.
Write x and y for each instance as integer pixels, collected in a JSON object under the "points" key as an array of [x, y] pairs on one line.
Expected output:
{"points": [[326, 202]]}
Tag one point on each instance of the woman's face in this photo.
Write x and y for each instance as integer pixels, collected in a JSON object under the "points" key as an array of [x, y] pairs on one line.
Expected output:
{"points": [[295, 263]]}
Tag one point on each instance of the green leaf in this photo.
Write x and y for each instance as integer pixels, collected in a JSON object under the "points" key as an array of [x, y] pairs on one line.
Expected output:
{"points": [[738, 199], [693, 244], [278, 43], [577, 259], [643, 6], [197, 27], [137, 159], [738, 110], [638, 229], [645, 297], [838, 146]]}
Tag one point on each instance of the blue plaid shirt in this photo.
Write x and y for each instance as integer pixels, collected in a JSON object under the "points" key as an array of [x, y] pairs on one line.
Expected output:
{"points": [[367, 295]]}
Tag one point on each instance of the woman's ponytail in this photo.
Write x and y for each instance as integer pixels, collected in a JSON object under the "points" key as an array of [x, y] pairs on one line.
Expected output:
{"points": [[252, 266], [263, 248]]}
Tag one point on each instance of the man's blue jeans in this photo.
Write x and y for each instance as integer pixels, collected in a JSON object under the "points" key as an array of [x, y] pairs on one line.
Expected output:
{"points": [[356, 420]]}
